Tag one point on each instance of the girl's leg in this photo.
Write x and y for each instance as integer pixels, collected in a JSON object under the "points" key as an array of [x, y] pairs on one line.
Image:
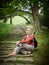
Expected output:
{"points": [[29, 48], [16, 50], [12, 54]]}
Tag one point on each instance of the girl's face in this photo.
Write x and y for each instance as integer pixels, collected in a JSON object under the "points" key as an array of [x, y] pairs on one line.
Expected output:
{"points": [[28, 31]]}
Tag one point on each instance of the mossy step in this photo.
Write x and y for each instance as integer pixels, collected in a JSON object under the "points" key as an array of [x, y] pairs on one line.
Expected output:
{"points": [[8, 42], [27, 60], [18, 56], [6, 49], [3, 51], [1, 45], [17, 63], [6, 46], [20, 59]]}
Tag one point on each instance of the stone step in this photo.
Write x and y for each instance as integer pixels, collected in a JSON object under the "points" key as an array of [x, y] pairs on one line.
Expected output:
{"points": [[17, 56], [4, 42], [17, 63], [24, 60], [11, 46], [7, 44], [5, 52], [6, 49]]}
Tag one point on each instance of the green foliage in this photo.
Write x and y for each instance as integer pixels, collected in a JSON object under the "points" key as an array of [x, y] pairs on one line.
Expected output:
{"points": [[3, 3], [11, 7], [41, 56], [45, 17], [5, 29]]}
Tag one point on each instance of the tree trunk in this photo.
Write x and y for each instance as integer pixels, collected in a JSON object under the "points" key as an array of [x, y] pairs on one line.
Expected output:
{"points": [[5, 19], [34, 8], [36, 26], [10, 19]]}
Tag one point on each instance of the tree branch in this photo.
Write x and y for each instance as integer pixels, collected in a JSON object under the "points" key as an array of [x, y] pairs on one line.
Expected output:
{"points": [[25, 11], [25, 18]]}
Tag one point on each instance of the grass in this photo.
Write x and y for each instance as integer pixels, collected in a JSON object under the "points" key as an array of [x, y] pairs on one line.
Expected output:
{"points": [[17, 20], [5, 29], [41, 56]]}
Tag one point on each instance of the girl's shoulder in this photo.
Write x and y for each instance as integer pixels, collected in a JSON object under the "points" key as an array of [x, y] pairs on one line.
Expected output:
{"points": [[32, 35]]}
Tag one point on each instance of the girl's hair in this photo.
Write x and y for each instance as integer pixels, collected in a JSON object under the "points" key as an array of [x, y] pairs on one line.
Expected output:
{"points": [[27, 28]]}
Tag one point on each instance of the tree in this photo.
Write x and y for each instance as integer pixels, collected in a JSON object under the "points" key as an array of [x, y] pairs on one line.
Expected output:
{"points": [[6, 10], [30, 7], [35, 9], [45, 12], [26, 6]]}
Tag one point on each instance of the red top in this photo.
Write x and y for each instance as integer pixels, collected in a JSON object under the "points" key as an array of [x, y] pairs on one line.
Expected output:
{"points": [[28, 40]]}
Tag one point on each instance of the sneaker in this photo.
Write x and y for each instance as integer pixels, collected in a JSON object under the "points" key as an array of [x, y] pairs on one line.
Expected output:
{"points": [[28, 52]]}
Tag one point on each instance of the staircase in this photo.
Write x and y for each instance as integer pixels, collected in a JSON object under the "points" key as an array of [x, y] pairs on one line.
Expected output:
{"points": [[7, 47], [17, 33]]}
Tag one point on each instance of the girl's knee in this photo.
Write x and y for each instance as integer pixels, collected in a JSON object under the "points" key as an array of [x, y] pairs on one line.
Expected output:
{"points": [[19, 45]]}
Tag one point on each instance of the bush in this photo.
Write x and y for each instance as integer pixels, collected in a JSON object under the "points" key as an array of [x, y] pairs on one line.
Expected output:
{"points": [[5, 29], [41, 56]]}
